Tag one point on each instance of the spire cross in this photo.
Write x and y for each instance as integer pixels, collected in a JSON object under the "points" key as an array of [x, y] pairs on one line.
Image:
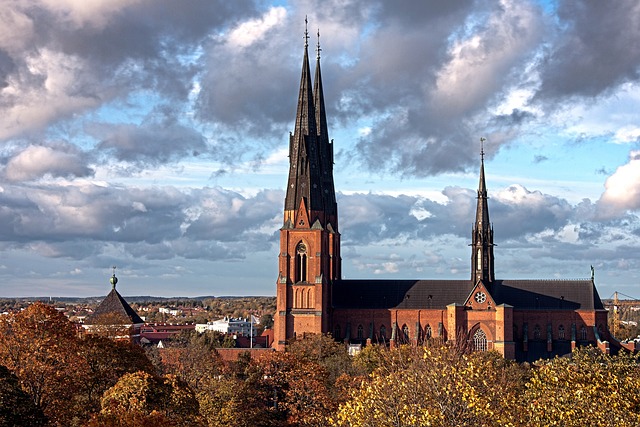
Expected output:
{"points": [[318, 47], [482, 140], [306, 32]]}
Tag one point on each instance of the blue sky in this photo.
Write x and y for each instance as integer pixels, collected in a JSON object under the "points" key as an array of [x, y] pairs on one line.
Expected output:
{"points": [[152, 135]]}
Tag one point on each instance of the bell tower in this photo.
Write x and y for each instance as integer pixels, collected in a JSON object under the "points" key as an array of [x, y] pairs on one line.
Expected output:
{"points": [[482, 235], [309, 259]]}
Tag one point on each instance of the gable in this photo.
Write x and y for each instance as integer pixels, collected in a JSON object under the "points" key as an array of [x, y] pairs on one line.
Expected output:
{"points": [[480, 298]]}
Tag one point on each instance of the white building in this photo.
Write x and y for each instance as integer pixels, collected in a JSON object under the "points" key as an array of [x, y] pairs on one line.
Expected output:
{"points": [[229, 325], [170, 311]]}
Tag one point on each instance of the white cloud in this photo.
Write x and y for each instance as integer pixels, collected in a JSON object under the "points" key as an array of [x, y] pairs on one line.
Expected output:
{"points": [[627, 134], [56, 94], [79, 12], [622, 189], [37, 161], [249, 32], [479, 63]]}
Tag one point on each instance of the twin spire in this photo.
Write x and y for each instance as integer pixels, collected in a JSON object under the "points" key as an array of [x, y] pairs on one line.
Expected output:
{"points": [[310, 150]]}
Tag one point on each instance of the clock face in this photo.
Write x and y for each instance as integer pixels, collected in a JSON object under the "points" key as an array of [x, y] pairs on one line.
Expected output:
{"points": [[480, 297]]}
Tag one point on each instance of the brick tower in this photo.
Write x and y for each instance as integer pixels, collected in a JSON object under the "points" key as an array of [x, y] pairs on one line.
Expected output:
{"points": [[309, 259]]}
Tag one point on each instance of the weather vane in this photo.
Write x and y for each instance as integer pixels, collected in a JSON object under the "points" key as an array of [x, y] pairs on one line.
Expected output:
{"points": [[306, 32], [318, 48], [482, 140]]}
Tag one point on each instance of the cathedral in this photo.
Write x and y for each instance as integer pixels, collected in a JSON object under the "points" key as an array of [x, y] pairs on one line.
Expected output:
{"points": [[521, 319]]}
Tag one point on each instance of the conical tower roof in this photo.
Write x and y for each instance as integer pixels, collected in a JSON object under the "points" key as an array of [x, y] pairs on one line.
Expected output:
{"points": [[114, 306]]}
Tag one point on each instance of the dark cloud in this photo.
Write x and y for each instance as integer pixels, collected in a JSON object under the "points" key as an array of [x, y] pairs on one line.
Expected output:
{"points": [[159, 139], [157, 223], [596, 50], [433, 97], [79, 58]]}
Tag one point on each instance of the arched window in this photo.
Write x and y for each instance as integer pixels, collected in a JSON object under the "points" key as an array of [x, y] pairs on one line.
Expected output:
{"points": [[296, 298], [480, 340], [479, 260], [309, 298], [428, 332], [583, 333], [383, 333], [301, 263], [561, 335], [536, 332], [360, 332], [405, 332], [336, 333]]}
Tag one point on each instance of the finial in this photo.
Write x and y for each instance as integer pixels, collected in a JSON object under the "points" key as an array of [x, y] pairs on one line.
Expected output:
{"points": [[482, 140], [593, 273], [114, 279], [306, 32], [318, 48]]}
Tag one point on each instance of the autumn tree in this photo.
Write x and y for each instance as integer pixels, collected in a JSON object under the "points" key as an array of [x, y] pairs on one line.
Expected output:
{"points": [[295, 389], [437, 386], [332, 356], [195, 361], [141, 399], [588, 389], [17, 408], [39, 345], [107, 361], [227, 401]]}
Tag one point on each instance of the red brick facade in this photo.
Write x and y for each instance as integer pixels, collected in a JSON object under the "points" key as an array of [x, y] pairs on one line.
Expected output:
{"points": [[521, 319]]}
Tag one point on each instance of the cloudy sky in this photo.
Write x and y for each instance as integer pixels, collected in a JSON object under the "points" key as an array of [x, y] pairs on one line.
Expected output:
{"points": [[152, 135]]}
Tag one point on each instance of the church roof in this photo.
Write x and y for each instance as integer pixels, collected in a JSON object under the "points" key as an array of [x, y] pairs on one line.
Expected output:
{"points": [[114, 304], [578, 294], [399, 294]]}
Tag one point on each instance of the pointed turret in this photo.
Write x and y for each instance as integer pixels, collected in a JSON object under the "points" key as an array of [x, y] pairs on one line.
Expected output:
{"points": [[482, 235]]}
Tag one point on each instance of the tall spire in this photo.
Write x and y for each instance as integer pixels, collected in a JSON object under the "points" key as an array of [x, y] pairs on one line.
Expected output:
{"points": [[304, 169], [482, 235], [482, 211], [325, 146]]}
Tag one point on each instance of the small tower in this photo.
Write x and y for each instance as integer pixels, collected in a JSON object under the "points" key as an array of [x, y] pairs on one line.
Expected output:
{"points": [[482, 235], [114, 318], [309, 259]]}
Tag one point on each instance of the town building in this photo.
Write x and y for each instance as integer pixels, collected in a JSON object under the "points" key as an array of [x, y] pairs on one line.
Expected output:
{"points": [[521, 319], [114, 318], [230, 326]]}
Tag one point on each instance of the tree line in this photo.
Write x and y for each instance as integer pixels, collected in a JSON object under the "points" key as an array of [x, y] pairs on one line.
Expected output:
{"points": [[49, 376]]}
